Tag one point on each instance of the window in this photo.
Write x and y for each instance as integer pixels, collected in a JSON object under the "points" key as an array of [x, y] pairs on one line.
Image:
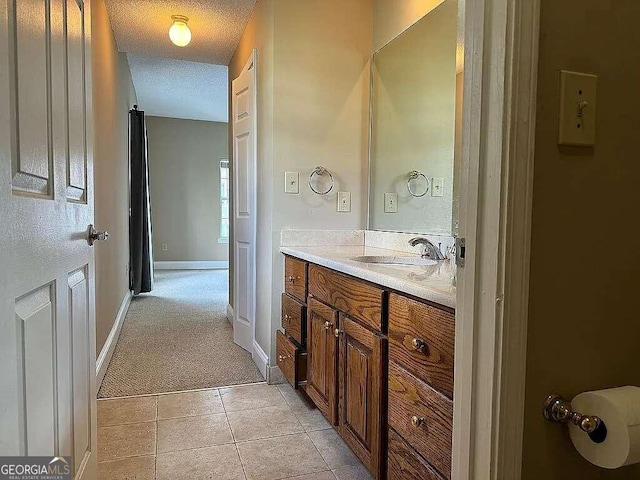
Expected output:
{"points": [[224, 201]]}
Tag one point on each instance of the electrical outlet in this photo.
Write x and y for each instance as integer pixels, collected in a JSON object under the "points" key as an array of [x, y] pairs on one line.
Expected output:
{"points": [[390, 202], [437, 187], [164, 247], [344, 201], [291, 182]]}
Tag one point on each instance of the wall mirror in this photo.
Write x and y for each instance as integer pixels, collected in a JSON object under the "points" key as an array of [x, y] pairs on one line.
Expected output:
{"points": [[415, 126]]}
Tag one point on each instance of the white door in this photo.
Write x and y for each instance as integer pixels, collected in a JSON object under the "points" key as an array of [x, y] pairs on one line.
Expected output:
{"points": [[47, 313], [244, 123]]}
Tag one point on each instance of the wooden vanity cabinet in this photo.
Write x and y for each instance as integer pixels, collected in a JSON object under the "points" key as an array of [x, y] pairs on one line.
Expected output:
{"points": [[377, 364], [322, 358], [361, 391]]}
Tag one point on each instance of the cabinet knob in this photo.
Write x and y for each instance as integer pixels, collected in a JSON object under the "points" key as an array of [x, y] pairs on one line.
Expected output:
{"points": [[327, 325], [291, 278], [337, 332], [417, 421], [418, 344]]}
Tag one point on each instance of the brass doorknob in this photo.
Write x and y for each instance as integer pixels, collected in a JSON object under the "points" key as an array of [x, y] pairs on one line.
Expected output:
{"points": [[418, 344], [417, 421]]}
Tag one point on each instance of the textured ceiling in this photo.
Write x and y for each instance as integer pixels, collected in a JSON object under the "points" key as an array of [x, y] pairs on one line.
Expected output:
{"points": [[142, 27], [175, 88]]}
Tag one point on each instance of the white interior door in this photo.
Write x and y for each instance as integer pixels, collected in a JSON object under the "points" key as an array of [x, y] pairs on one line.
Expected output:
{"points": [[244, 123], [47, 313]]}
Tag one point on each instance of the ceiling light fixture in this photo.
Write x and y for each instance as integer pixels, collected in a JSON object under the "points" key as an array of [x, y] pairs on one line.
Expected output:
{"points": [[179, 33]]}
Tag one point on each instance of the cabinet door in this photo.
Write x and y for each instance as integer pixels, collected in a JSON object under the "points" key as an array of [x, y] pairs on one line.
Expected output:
{"points": [[322, 358], [361, 392]]}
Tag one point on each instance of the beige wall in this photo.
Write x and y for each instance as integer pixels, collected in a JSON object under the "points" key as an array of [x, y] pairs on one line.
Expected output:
{"points": [[113, 96], [313, 77], [259, 34], [414, 106], [584, 328], [392, 17], [184, 182]]}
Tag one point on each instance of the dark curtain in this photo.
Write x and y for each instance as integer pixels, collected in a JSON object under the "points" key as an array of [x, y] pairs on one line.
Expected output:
{"points": [[140, 261]]}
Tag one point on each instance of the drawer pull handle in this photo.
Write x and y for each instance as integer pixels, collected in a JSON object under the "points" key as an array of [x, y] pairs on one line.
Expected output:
{"points": [[281, 358], [418, 344], [287, 319], [328, 325], [291, 278], [418, 421]]}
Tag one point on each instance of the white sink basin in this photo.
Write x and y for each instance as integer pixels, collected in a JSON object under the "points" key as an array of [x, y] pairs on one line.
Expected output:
{"points": [[396, 261]]}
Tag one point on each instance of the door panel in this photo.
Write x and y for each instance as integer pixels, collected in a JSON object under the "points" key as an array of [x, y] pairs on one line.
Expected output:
{"points": [[322, 358], [35, 313], [47, 281], [244, 118], [361, 392]]}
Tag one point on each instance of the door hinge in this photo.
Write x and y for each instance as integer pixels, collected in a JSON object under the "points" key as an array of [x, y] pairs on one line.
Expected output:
{"points": [[460, 251]]}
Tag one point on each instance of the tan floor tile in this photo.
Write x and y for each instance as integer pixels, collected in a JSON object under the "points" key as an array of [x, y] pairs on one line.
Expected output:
{"points": [[248, 397], [353, 472], [193, 432], [280, 457], [120, 411], [188, 404], [134, 468], [263, 423], [328, 475], [211, 463], [304, 409], [333, 449], [122, 441]]}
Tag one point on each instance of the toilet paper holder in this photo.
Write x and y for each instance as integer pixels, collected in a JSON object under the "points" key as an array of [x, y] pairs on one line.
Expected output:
{"points": [[557, 409]]}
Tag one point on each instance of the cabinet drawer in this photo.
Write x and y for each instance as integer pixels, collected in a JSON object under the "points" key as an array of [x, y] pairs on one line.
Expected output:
{"points": [[292, 362], [294, 318], [295, 278], [354, 297], [403, 463], [421, 339], [422, 416]]}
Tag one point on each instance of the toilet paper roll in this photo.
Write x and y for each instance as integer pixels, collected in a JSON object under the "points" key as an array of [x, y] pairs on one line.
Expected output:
{"points": [[619, 409]]}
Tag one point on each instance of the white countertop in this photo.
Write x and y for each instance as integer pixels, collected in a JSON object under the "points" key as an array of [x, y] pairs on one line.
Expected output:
{"points": [[432, 283]]}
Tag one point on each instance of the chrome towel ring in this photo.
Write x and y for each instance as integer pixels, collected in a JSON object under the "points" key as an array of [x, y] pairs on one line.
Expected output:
{"points": [[413, 175], [320, 171]]}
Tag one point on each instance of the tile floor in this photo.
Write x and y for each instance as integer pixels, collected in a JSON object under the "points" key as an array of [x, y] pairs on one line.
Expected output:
{"points": [[252, 432]]}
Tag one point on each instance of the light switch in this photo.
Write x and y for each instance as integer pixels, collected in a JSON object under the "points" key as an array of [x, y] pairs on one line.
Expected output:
{"points": [[390, 202], [164, 247], [577, 109], [291, 182], [437, 187], [344, 201]]}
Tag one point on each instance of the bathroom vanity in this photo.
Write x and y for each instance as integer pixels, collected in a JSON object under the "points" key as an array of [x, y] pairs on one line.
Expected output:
{"points": [[376, 360]]}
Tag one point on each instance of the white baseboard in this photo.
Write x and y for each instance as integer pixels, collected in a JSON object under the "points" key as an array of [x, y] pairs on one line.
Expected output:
{"points": [[110, 344], [230, 313], [195, 265], [260, 359]]}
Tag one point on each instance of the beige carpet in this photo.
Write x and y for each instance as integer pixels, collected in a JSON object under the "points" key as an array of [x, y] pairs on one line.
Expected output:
{"points": [[178, 338]]}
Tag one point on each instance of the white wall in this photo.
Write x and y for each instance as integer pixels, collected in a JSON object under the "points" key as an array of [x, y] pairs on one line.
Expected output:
{"points": [[392, 17]]}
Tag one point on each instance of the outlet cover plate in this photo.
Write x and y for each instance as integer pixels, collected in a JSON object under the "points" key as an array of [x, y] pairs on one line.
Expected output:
{"points": [[344, 201], [577, 109], [390, 202]]}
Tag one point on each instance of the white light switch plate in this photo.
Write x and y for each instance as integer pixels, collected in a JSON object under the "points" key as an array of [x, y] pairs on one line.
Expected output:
{"points": [[390, 202], [577, 109], [291, 182], [344, 201], [437, 187]]}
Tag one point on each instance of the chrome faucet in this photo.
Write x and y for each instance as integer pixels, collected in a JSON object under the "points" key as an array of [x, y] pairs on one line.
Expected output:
{"points": [[427, 249]]}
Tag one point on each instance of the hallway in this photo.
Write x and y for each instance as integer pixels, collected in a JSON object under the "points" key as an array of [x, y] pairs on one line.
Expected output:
{"points": [[178, 338]]}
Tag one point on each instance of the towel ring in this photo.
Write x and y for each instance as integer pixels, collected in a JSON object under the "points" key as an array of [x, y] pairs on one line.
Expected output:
{"points": [[320, 171], [414, 174]]}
